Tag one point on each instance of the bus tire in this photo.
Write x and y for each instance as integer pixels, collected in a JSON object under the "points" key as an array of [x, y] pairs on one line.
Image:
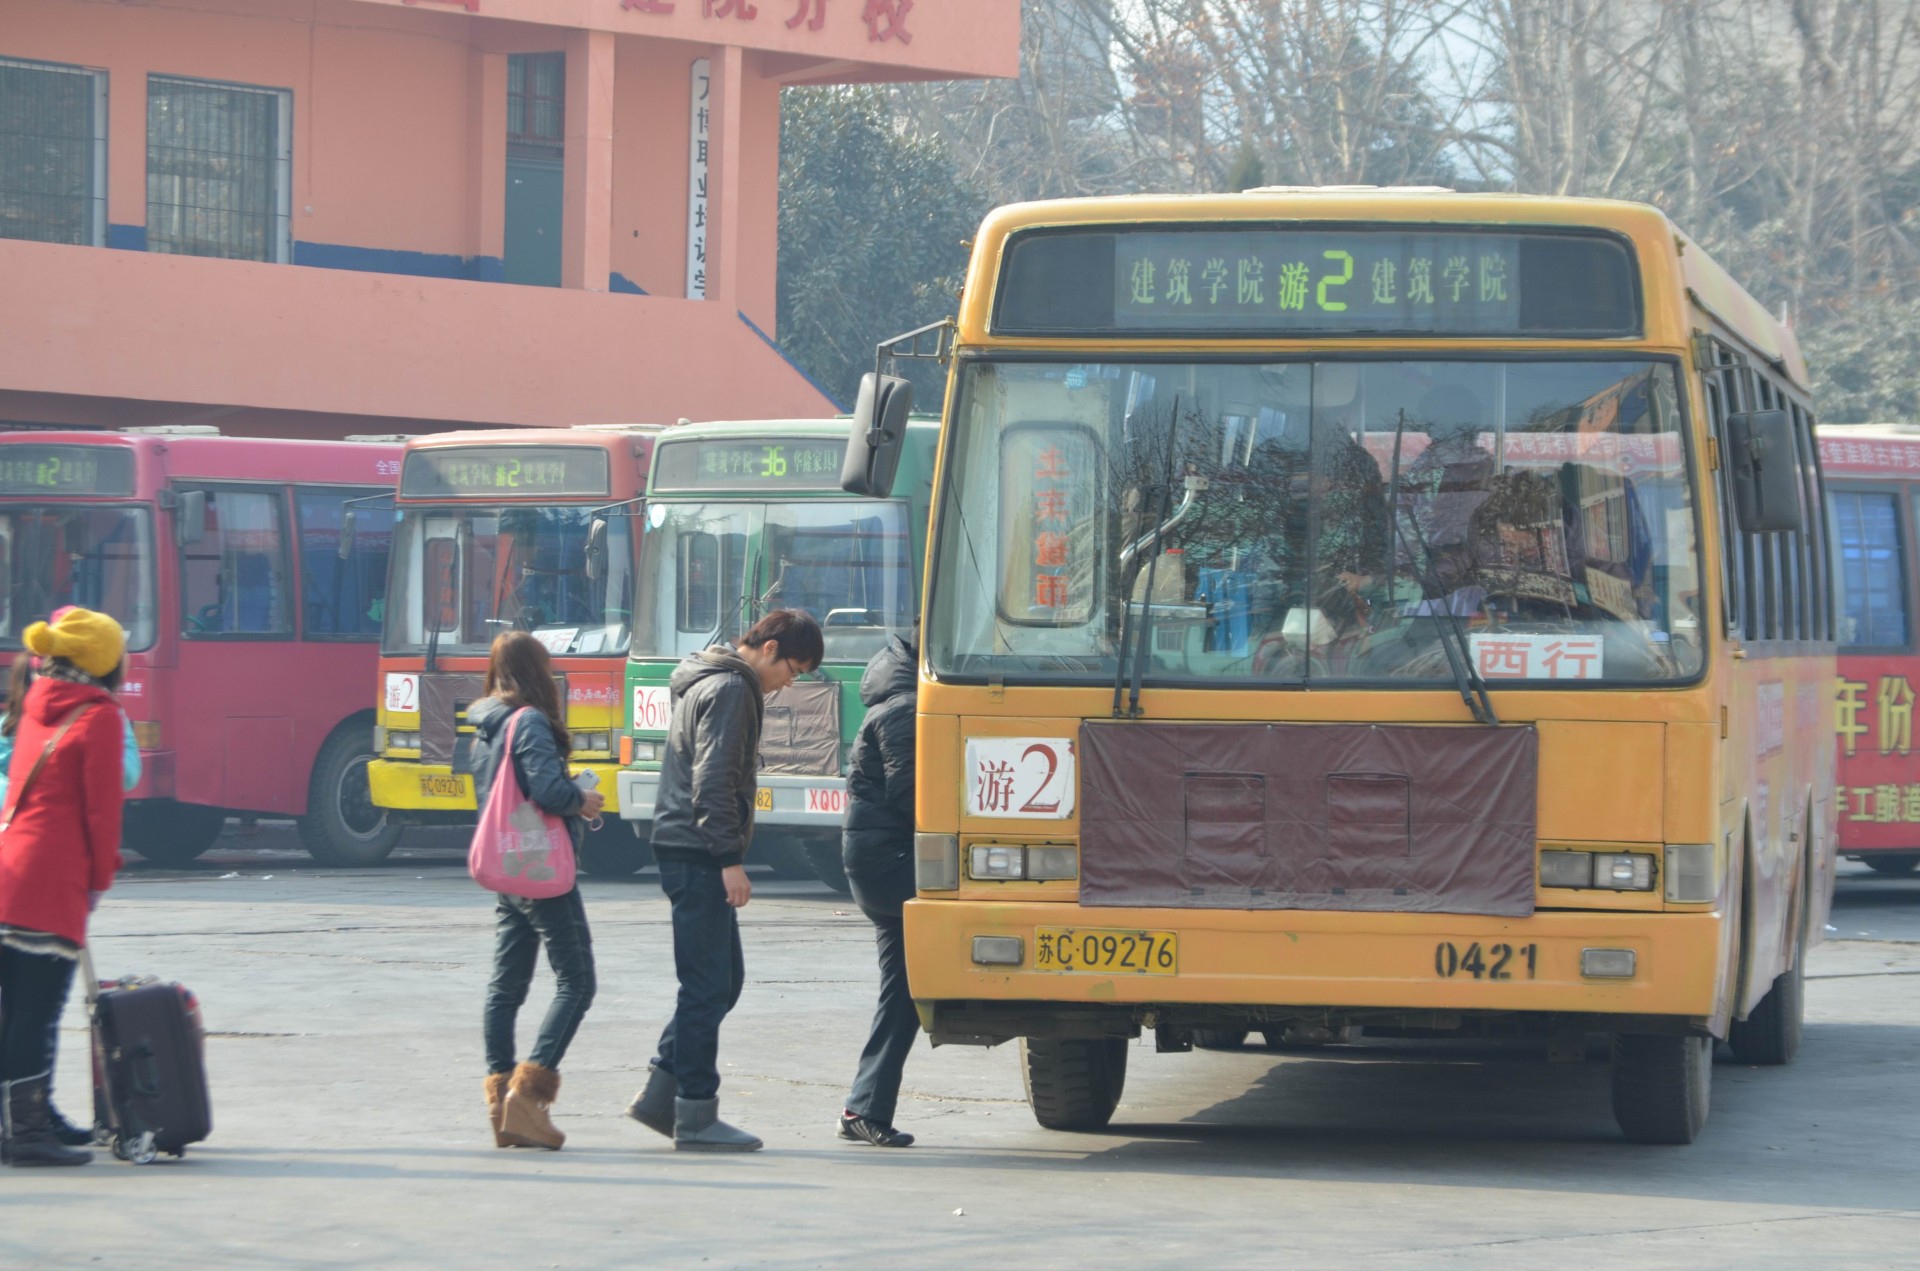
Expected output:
{"points": [[172, 834], [1897, 863], [342, 828], [1220, 1038], [824, 853], [1662, 1085], [1073, 1084], [784, 856], [1770, 1034], [614, 851]]}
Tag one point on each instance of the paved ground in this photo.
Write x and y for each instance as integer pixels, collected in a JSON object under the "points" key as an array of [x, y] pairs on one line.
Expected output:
{"points": [[345, 1060]]}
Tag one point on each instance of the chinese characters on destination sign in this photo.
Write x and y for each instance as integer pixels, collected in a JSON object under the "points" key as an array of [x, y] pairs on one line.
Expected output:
{"points": [[1313, 280], [1021, 777], [1526, 656], [769, 462]]}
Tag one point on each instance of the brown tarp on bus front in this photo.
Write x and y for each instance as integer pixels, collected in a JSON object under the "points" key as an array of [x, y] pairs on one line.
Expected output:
{"points": [[1380, 817], [800, 730]]}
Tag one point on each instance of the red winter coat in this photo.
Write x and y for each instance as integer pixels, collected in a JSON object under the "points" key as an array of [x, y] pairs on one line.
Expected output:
{"points": [[64, 840]]}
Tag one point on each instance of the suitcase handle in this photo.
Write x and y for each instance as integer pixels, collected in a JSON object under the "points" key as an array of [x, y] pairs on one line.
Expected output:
{"points": [[145, 1070]]}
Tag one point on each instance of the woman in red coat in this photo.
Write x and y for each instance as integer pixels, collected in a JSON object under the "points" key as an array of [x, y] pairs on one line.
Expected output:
{"points": [[59, 850]]}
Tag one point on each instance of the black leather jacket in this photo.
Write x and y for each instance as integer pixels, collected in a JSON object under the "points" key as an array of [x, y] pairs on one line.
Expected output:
{"points": [[879, 825], [704, 808], [537, 762]]}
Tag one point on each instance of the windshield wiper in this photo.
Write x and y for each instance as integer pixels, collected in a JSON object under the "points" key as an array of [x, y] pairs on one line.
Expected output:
{"points": [[1453, 636]]}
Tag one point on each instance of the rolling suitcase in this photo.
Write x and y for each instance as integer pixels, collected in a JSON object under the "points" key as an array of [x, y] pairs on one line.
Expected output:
{"points": [[149, 1067]]}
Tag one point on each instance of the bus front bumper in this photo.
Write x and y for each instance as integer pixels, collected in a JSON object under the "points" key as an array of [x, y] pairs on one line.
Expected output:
{"points": [[1330, 962], [798, 802], [408, 785]]}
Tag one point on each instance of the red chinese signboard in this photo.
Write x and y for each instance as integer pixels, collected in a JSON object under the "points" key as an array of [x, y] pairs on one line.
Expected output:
{"points": [[1879, 792]]}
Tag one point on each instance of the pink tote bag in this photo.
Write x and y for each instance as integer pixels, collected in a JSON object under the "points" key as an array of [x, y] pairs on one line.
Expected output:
{"points": [[519, 848]]}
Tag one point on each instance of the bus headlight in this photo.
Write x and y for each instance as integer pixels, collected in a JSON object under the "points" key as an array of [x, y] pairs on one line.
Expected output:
{"points": [[1693, 873], [997, 862], [146, 734], [936, 862], [1052, 863], [1623, 871], [645, 751], [402, 741], [1566, 869]]}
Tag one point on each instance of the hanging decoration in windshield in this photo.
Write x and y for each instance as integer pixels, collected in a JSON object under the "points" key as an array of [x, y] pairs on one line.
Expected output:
{"points": [[1265, 281], [471, 472], [750, 463], [32, 469]]}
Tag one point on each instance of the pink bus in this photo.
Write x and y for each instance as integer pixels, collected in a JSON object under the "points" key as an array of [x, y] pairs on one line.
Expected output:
{"points": [[252, 631]]}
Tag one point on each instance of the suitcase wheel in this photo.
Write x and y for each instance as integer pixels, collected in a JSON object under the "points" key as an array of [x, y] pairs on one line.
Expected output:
{"points": [[137, 1149]]}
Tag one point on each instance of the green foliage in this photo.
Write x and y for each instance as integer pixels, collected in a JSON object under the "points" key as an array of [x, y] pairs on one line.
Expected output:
{"points": [[874, 222]]}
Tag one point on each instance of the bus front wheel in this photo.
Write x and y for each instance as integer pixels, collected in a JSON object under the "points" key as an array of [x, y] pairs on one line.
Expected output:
{"points": [[343, 828], [1074, 1084], [1661, 1086], [172, 834], [824, 851]]}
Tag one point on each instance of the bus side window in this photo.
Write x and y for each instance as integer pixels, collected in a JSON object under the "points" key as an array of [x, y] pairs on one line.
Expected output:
{"points": [[342, 598], [234, 581], [1873, 601]]}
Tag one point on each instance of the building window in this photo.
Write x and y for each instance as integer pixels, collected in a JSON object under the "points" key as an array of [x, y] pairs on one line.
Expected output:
{"points": [[219, 169], [536, 105], [53, 153]]}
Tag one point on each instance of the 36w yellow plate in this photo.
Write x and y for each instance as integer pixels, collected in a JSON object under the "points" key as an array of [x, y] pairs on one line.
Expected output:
{"points": [[763, 799], [1105, 951]]}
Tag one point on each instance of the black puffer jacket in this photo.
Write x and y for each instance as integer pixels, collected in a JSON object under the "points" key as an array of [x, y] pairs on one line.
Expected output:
{"points": [[704, 809], [879, 825], [537, 762]]}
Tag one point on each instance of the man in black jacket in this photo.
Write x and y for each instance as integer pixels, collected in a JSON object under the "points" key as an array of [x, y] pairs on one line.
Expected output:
{"points": [[702, 824], [877, 850]]}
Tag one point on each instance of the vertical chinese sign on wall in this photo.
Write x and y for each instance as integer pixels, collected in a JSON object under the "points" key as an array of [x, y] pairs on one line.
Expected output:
{"points": [[698, 117]]}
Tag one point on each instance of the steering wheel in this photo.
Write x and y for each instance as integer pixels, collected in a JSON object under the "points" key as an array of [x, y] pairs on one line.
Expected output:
{"points": [[207, 619]]}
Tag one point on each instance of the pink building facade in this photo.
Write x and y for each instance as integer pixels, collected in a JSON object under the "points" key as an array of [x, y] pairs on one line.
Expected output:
{"points": [[325, 217]]}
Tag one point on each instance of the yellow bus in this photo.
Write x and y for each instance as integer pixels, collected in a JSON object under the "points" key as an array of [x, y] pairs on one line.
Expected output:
{"points": [[1368, 611]]}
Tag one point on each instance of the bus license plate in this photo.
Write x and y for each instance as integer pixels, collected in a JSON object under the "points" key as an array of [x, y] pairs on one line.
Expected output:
{"points": [[1475, 961], [1102, 951], [763, 799], [437, 786]]}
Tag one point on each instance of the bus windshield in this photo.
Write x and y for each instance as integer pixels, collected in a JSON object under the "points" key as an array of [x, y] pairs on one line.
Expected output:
{"points": [[710, 569], [1337, 521], [462, 575], [99, 557]]}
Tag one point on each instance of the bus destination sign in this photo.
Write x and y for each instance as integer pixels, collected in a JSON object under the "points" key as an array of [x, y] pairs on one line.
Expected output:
{"points": [[35, 469], [482, 472], [1284, 282], [750, 463]]}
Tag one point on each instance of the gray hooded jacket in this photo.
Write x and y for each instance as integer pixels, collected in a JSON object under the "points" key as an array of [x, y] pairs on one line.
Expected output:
{"points": [[704, 809]]}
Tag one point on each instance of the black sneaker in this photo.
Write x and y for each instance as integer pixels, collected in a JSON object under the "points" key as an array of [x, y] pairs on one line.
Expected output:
{"points": [[856, 1129]]}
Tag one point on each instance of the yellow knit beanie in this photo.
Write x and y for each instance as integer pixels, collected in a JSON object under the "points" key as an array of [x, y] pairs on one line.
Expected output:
{"points": [[91, 641]]}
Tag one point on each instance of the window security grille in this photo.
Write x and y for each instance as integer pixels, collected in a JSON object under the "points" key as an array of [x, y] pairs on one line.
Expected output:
{"points": [[53, 153], [219, 169], [536, 105]]}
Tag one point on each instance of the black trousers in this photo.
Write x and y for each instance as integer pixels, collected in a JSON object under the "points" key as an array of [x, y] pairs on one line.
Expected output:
{"points": [[520, 927], [33, 992], [882, 882]]}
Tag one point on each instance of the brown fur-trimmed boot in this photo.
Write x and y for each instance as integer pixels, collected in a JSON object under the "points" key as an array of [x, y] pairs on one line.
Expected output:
{"points": [[497, 1104], [524, 1119]]}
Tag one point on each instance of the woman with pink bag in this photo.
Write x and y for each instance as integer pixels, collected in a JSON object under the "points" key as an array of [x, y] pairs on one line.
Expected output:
{"points": [[520, 717]]}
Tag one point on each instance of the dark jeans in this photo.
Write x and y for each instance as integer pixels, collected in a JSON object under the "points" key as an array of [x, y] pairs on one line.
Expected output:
{"points": [[520, 927], [880, 888], [33, 992], [712, 971]]}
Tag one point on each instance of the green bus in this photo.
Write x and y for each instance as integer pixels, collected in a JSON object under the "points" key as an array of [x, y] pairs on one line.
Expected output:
{"points": [[743, 518]]}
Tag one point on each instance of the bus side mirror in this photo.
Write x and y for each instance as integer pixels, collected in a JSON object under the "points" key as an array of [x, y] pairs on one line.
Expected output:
{"points": [[1765, 471], [878, 435], [597, 549], [346, 533], [190, 517]]}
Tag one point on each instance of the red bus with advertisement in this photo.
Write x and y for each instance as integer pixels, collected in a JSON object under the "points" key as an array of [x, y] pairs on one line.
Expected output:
{"points": [[251, 627], [531, 530], [1873, 495]]}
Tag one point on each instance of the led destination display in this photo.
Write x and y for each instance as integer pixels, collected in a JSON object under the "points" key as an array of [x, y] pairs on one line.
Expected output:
{"points": [[470, 472], [749, 463], [31, 469]]}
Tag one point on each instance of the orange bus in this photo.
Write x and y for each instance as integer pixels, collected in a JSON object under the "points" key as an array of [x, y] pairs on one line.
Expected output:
{"points": [[496, 531], [1394, 611]]}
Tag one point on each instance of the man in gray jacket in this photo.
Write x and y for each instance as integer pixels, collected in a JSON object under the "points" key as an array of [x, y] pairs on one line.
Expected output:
{"points": [[702, 824]]}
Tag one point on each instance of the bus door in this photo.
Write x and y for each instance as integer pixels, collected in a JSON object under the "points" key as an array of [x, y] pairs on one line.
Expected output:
{"points": [[235, 733]]}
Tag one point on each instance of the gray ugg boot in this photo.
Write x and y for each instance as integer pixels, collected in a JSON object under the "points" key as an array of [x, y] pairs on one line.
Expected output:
{"points": [[697, 1127], [653, 1107]]}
